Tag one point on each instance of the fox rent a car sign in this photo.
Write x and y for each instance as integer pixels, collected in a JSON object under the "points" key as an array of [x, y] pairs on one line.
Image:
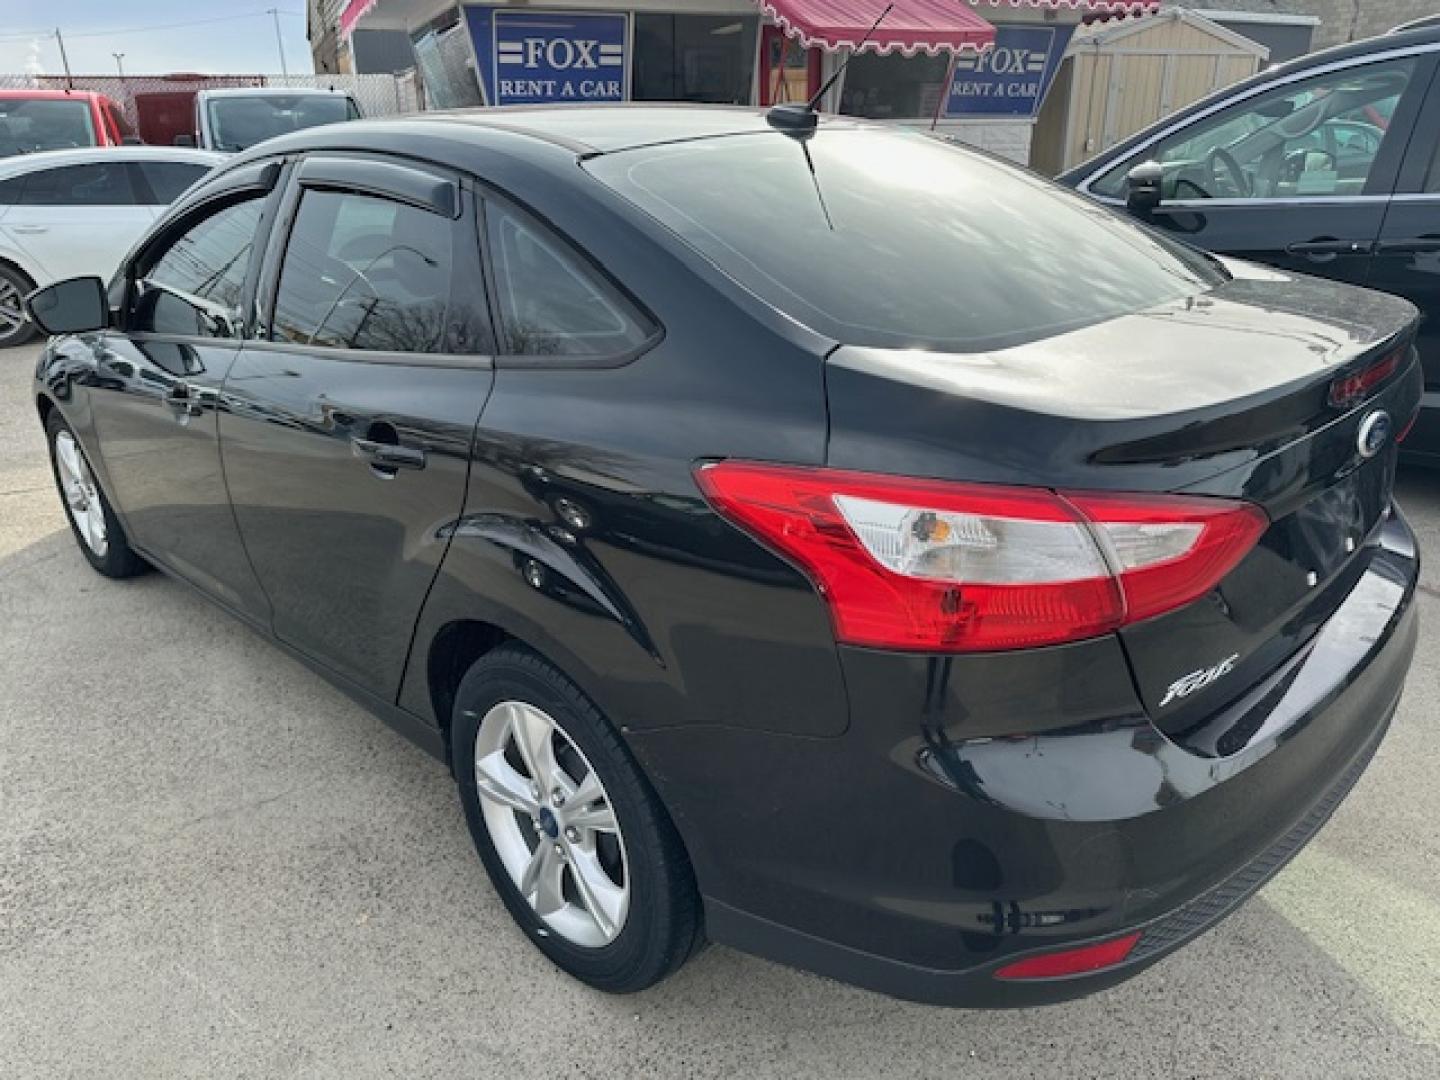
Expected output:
{"points": [[531, 57], [1011, 77]]}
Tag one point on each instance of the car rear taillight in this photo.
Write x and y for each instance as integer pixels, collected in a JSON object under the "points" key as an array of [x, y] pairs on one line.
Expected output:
{"points": [[949, 567], [1350, 390]]}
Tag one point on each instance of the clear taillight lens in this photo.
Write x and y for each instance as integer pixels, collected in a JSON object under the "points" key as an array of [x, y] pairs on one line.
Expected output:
{"points": [[929, 565]]}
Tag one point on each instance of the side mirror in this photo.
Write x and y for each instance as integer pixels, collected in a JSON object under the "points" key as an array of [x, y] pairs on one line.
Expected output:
{"points": [[73, 306], [183, 140], [1143, 184]]}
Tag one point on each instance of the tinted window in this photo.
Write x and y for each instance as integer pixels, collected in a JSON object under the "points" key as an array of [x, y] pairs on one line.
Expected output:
{"points": [[1316, 138], [893, 86], [240, 122], [106, 184], [196, 285], [551, 302], [693, 58], [900, 240], [167, 179], [12, 190], [44, 124], [364, 273]]}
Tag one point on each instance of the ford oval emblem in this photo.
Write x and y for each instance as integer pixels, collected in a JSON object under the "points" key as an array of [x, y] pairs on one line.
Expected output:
{"points": [[1374, 431]]}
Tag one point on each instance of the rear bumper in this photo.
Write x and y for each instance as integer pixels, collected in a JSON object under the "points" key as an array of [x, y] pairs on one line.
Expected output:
{"points": [[919, 860]]}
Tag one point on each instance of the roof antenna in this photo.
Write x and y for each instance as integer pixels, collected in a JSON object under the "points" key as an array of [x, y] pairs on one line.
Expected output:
{"points": [[801, 119]]}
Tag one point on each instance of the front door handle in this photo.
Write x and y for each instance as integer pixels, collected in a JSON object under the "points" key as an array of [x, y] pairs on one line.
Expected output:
{"points": [[1326, 249], [385, 458], [30, 230]]}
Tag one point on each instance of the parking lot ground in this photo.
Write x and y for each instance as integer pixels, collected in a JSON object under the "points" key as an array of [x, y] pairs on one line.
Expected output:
{"points": [[214, 865]]}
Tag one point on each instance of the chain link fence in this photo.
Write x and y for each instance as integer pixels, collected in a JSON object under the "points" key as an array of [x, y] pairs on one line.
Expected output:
{"points": [[377, 95]]}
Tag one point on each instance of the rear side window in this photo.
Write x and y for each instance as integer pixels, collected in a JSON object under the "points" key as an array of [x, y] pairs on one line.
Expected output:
{"points": [[168, 179], [12, 190], [196, 286], [552, 303], [362, 272], [895, 239], [101, 184]]}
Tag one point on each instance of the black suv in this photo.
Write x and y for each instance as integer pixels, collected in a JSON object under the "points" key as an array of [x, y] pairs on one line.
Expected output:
{"points": [[813, 536], [1327, 165]]}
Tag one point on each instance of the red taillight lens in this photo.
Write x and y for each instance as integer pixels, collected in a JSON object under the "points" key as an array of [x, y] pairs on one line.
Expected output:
{"points": [[1071, 961], [1353, 389], [935, 566]]}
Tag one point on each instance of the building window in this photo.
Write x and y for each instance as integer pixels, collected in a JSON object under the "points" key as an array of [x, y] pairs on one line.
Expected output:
{"points": [[893, 87], [709, 58]]}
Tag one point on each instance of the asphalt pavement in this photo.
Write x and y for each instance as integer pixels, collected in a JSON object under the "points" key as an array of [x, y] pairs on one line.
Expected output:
{"points": [[212, 864]]}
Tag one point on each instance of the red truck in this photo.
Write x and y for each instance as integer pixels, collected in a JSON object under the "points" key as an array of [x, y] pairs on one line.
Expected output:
{"points": [[33, 120]]}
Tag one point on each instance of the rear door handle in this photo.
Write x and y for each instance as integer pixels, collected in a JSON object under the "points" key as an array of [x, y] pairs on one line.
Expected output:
{"points": [[29, 230], [1325, 249], [388, 456]]}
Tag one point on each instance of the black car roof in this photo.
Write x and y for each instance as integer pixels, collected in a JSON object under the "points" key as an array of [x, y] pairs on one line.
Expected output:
{"points": [[583, 130]]}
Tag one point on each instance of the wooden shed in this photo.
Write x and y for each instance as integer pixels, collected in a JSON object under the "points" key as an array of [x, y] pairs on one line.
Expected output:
{"points": [[1123, 75]]}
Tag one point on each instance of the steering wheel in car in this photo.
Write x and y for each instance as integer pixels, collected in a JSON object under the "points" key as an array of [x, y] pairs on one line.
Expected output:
{"points": [[1220, 156]]}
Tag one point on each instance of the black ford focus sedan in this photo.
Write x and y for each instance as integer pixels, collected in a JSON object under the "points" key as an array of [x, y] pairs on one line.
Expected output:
{"points": [[819, 539]]}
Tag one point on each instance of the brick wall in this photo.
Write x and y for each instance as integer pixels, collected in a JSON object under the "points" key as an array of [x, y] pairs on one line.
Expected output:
{"points": [[1339, 21]]}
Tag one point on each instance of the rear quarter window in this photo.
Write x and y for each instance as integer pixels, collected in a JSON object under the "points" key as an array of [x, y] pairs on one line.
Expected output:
{"points": [[899, 240]]}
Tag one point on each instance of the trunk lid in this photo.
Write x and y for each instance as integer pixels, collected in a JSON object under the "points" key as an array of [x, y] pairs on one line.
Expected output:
{"points": [[1228, 394]]}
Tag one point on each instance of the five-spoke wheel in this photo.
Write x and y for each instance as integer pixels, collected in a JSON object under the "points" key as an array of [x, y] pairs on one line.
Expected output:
{"points": [[574, 838]]}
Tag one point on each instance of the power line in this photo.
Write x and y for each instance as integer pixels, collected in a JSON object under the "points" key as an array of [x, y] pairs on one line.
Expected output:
{"points": [[50, 33]]}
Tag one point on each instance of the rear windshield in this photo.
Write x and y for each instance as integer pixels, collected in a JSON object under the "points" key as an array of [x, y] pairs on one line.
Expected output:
{"points": [[238, 123], [896, 239], [48, 124]]}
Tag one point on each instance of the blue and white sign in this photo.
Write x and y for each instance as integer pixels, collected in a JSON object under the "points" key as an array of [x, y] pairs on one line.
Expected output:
{"points": [[1011, 77], [532, 57]]}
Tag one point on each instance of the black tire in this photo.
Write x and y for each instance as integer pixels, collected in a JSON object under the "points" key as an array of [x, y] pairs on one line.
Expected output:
{"points": [[119, 560], [13, 282], [663, 925]]}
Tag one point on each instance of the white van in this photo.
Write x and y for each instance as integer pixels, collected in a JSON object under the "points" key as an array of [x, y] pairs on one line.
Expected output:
{"points": [[237, 118]]}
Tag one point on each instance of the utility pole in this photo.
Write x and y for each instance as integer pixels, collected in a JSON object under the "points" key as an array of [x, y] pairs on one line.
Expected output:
{"points": [[279, 41], [64, 60], [119, 62]]}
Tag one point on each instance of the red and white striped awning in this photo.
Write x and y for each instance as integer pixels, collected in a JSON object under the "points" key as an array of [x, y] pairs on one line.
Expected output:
{"points": [[912, 26]]}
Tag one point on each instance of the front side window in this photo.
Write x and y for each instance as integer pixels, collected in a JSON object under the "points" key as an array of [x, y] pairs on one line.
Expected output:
{"points": [[1316, 138], [28, 125], [362, 272], [890, 238], [106, 184], [196, 286], [893, 87], [551, 302]]}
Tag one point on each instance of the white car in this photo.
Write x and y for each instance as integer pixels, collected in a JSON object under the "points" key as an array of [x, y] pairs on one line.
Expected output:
{"points": [[69, 212]]}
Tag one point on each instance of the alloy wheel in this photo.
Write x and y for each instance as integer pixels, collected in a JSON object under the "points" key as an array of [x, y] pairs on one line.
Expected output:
{"points": [[12, 312], [552, 824], [82, 496]]}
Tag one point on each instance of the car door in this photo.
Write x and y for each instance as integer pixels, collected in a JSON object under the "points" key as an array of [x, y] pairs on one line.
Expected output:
{"points": [[1265, 177], [183, 312], [73, 220], [1407, 258], [347, 431]]}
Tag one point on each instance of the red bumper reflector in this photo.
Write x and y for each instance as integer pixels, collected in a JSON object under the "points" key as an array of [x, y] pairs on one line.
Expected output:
{"points": [[1071, 961]]}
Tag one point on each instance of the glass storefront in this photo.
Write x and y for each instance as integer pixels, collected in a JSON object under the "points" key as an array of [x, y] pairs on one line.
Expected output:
{"points": [[893, 87], [705, 58]]}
